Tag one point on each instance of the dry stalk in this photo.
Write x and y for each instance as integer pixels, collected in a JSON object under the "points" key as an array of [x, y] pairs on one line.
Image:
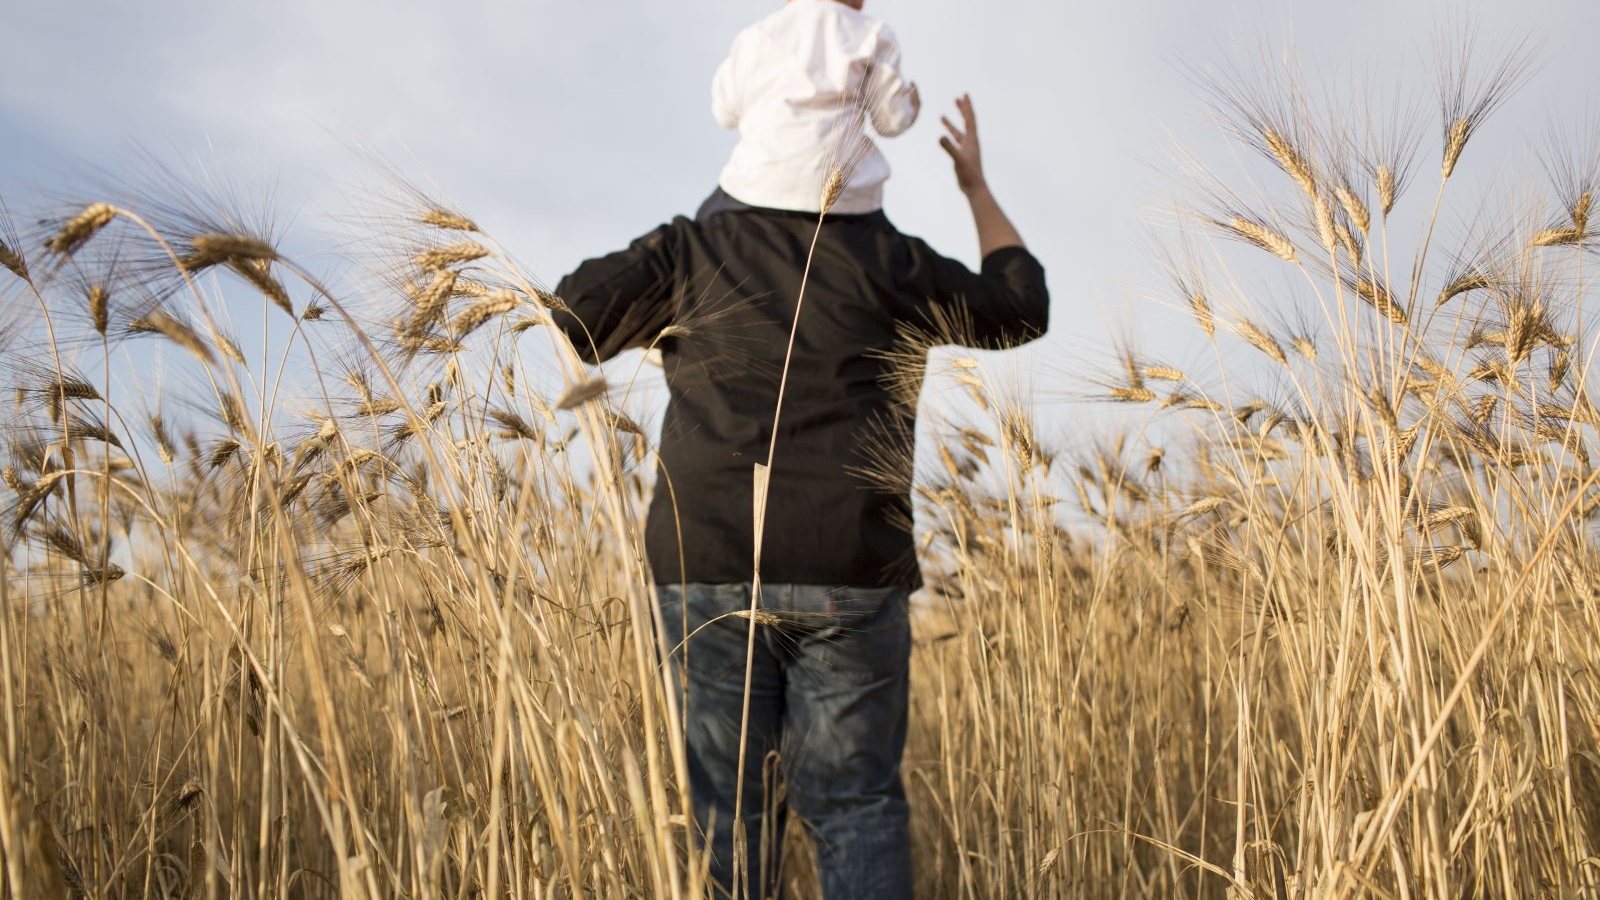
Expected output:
{"points": [[1261, 236], [1259, 339], [80, 228], [436, 258], [443, 218], [1455, 142], [582, 392]]}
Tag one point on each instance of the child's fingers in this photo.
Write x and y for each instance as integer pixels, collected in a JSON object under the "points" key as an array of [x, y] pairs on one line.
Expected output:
{"points": [[950, 127], [950, 148]]}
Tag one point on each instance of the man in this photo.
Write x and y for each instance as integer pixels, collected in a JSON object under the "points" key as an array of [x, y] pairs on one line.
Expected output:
{"points": [[827, 670]]}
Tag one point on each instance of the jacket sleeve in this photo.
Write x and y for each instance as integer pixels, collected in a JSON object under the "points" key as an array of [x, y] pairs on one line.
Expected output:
{"points": [[895, 101], [1005, 304], [622, 300]]}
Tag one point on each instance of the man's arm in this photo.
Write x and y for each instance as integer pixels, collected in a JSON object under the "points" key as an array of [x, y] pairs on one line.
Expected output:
{"points": [[995, 230], [1006, 303], [621, 300]]}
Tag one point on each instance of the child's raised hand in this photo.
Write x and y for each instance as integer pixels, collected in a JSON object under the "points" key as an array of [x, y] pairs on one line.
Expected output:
{"points": [[962, 145]]}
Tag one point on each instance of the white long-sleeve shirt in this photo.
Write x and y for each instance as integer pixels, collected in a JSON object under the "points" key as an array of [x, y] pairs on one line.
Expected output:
{"points": [[798, 85]]}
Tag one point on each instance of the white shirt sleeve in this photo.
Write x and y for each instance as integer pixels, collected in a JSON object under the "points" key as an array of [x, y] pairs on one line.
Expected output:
{"points": [[727, 96], [895, 101]]}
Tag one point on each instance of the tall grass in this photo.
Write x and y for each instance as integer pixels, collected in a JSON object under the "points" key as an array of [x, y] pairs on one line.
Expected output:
{"points": [[391, 635]]}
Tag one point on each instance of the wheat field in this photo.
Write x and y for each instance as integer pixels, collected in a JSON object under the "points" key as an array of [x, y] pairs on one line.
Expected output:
{"points": [[354, 606]]}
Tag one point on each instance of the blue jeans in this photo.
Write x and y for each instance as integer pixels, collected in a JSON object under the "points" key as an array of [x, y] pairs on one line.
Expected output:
{"points": [[828, 694]]}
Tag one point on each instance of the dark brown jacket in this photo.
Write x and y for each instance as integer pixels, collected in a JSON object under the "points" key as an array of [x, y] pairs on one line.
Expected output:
{"points": [[727, 286]]}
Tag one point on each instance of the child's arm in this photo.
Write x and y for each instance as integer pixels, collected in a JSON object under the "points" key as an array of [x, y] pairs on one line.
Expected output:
{"points": [[893, 101], [727, 101]]}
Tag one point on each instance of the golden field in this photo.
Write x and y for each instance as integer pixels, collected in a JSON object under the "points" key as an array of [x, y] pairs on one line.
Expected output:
{"points": [[354, 607]]}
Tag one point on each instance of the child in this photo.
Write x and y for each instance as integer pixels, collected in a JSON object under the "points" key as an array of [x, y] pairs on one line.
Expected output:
{"points": [[794, 84]]}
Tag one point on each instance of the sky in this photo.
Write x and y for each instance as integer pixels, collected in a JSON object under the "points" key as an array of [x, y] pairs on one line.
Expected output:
{"points": [[566, 129]]}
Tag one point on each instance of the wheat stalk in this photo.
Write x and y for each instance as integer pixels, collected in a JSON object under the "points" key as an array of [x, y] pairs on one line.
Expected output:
{"points": [[1388, 190], [581, 392], [1259, 339], [13, 261], [1261, 236], [435, 259], [77, 231], [443, 218], [173, 330], [1455, 142]]}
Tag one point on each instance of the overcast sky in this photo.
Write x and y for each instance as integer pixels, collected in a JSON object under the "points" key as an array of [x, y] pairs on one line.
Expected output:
{"points": [[568, 128]]}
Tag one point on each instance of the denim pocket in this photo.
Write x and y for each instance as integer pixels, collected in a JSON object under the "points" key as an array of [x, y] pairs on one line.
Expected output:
{"points": [[703, 631], [867, 635]]}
